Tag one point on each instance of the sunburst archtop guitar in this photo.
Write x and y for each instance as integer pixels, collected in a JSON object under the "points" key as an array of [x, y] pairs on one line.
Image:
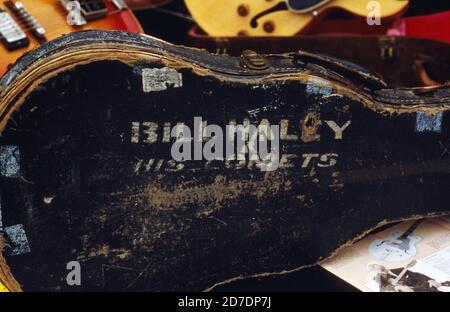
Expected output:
{"points": [[278, 17], [27, 24]]}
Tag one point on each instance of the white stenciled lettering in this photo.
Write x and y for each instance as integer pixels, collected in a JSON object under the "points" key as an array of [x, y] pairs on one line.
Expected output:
{"points": [[149, 130], [337, 129], [322, 161], [246, 139], [135, 127], [143, 166], [327, 160], [166, 133], [287, 160], [307, 159], [284, 135]]}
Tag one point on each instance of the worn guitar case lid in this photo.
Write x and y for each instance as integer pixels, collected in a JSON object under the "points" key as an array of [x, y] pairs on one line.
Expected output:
{"points": [[93, 125], [415, 61]]}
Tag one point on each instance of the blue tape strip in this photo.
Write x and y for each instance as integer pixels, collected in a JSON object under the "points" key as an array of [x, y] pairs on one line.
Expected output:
{"points": [[18, 237], [429, 123], [10, 161]]}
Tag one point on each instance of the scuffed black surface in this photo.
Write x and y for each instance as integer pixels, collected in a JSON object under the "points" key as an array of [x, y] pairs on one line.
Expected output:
{"points": [[74, 133]]}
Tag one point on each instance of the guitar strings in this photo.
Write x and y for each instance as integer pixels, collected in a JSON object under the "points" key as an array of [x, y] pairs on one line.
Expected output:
{"points": [[61, 9], [25, 25], [173, 13], [157, 9]]}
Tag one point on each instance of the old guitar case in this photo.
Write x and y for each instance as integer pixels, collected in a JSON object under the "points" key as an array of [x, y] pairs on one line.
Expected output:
{"points": [[89, 181], [401, 61]]}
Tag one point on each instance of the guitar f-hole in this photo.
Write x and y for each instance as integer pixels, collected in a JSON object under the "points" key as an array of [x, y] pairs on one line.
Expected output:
{"points": [[281, 6]]}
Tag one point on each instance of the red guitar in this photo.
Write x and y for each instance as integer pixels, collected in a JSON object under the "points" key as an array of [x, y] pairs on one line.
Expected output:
{"points": [[26, 24]]}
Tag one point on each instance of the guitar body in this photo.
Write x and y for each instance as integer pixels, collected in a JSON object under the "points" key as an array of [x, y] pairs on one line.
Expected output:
{"points": [[394, 248], [53, 17], [233, 17]]}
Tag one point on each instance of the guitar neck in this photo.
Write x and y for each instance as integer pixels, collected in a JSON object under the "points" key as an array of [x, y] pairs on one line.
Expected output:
{"points": [[403, 272], [411, 229]]}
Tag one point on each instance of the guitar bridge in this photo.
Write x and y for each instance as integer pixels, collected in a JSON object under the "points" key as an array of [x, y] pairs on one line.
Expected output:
{"points": [[89, 9], [12, 36]]}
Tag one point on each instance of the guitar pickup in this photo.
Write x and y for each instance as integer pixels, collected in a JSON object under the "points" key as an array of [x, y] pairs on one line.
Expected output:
{"points": [[27, 20], [88, 10], [12, 36]]}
